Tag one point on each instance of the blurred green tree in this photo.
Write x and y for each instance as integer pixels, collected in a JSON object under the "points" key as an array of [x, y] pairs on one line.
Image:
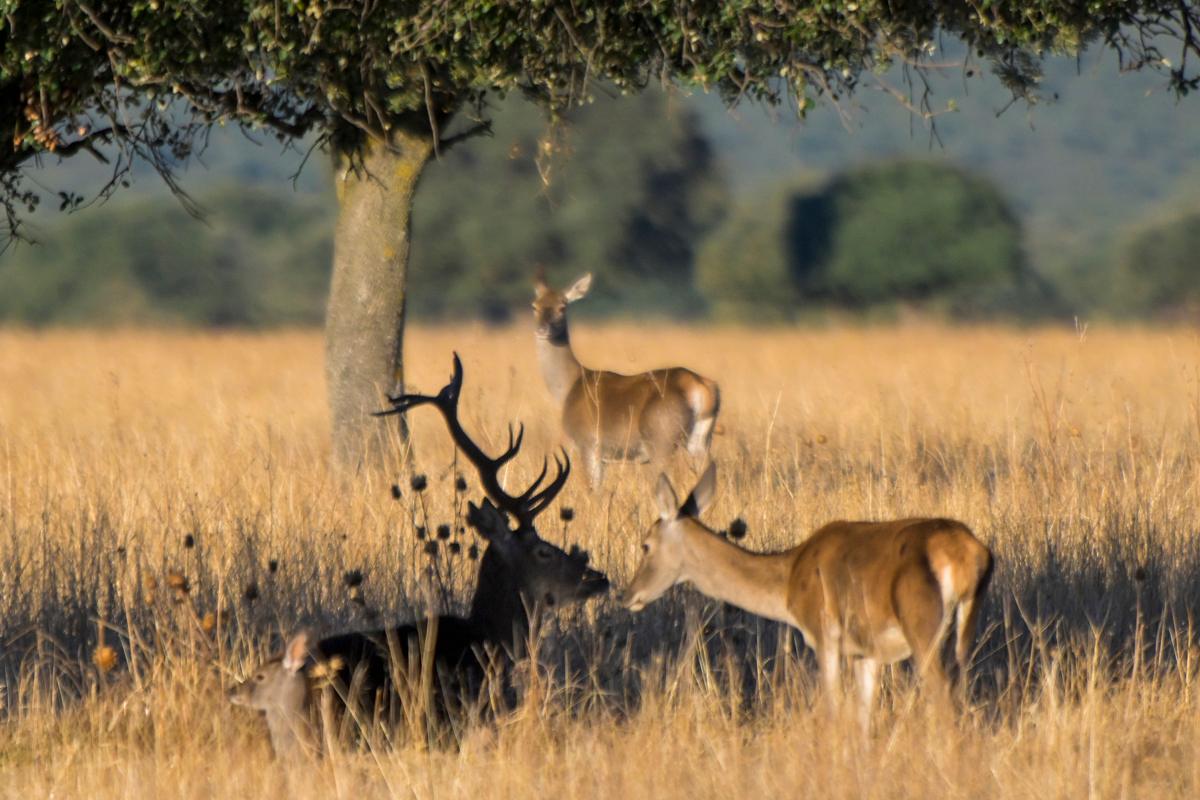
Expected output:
{"points": [[634, 187], [262, 258], [903, 231], [1158, 272]]}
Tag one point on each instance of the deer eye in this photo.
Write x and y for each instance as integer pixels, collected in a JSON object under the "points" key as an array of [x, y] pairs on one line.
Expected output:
{"points": [[543, 553], [260, 677], [645, 547]]}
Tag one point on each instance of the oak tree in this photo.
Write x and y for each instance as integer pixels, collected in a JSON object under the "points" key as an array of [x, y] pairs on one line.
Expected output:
{"points": [[387, 85]]}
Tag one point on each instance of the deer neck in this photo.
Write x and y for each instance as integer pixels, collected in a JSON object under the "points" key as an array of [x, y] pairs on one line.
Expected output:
{"points": [[756, 582], [291, 731], [498, 610], [560, 367]]}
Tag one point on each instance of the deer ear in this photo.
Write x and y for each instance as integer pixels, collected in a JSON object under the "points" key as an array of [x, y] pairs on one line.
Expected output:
{"points": [[540, 287], [487, 520], [578, 289], [702, 496], [295, 655], [668, 503]]}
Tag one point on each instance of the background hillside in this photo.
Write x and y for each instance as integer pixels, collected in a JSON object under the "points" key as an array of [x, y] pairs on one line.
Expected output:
{"points": [[1086, 204]]}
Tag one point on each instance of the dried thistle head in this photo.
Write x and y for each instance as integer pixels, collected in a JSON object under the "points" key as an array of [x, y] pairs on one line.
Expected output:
{"points": [[104, 658], [396, 494], [178, 581], [737, 528], [273, 566], [323, 673], [149, 587], [189, 541], [250, 593], [443, 531], [208, 623], [419, 483]]}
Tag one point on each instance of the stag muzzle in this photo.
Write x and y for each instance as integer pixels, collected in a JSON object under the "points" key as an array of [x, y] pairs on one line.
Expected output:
{"points": [[594, 582]]}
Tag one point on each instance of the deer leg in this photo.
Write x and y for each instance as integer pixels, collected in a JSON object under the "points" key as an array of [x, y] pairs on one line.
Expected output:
{"points": [[829, 657], [967, 614], [866, 675], [924, 621], [595, 466]]}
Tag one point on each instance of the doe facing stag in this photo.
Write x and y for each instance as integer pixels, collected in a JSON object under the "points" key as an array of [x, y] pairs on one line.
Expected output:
{"points": [[873, 593], [447, 661]]}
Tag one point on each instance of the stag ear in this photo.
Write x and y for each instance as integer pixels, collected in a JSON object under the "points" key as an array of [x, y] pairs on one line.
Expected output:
{"points": [[487, 520], [702, 496], [296, 654], [668, 504], [578, 289]]}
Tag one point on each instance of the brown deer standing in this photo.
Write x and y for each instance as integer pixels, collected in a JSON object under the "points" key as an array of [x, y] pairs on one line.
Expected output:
{"points": [[614, 417], [519, 574], [874, 592]]}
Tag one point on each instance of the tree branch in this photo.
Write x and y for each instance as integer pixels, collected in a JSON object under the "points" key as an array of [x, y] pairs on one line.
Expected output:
{"points": [[103, 26], [482, 128], [433, 123]]}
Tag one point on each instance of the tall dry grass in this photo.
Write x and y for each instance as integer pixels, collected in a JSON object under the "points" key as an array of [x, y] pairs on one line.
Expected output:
{"points": [[166, 511]]}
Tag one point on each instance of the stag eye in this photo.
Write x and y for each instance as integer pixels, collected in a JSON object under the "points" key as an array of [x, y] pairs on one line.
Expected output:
{"points": [[645, 547], [260, 677], [543, 553]]}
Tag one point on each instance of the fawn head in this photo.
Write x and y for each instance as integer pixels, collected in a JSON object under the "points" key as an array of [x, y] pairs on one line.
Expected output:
{"points": [[280, 689]]}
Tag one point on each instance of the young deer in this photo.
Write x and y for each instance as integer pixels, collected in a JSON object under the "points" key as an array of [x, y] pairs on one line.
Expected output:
{"points": [[519, 574], [614, 417], [874, 592]]}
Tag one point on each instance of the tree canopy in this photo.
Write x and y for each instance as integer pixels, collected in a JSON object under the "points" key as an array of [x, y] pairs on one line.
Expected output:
{"points": [[150, 76]]}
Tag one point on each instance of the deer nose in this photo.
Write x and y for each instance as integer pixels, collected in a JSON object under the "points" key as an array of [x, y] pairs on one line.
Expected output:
{"points": [[629, 599], [595, 582]]}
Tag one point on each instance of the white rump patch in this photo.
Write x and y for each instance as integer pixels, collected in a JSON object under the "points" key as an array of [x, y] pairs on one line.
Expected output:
{"points": [[698, 440], [946, 582]]}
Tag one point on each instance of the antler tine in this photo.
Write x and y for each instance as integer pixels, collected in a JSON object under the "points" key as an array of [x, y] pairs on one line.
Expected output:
{"points": [[523, 507], [446, 401], [513, 445], [403, 402], [527, 495], [545, 497], [452, 390]]}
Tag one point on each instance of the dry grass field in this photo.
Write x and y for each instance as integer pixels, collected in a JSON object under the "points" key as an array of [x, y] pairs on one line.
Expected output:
{"points": [[167, 512]]}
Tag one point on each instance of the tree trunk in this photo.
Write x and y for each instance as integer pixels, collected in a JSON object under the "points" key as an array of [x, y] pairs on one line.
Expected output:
{"points": [[364, 322]]}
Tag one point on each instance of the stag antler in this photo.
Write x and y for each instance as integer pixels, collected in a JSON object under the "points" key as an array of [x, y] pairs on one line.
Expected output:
{"points": [[523, 507]]}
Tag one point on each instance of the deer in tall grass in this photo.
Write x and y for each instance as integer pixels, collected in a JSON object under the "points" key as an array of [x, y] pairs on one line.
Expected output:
{"points": [[614, 417], [874, 593], [520, 576]]}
